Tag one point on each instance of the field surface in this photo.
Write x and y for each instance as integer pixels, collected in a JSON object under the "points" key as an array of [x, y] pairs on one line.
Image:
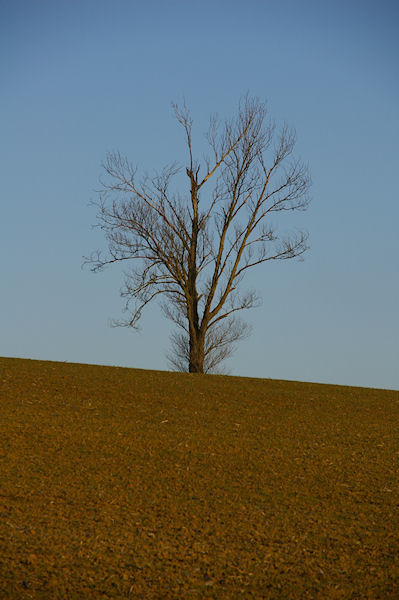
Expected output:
{"points": [[123, 483]]}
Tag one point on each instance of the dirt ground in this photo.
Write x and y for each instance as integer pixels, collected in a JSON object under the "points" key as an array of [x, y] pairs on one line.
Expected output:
{"points": [[123, 483]]}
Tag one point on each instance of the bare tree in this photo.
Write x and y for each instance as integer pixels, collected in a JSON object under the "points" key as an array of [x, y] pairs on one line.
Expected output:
{"points": [[194, 250]]}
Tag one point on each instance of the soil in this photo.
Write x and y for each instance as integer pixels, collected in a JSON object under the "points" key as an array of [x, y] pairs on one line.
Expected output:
{"points": [[124, 483]]}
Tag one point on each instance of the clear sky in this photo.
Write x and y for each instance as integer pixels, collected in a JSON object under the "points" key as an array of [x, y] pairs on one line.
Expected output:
{"points": [[82, 77]]}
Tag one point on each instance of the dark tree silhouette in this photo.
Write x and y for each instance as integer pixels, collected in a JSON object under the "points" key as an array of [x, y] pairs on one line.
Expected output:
{"points": [[193, 250]]}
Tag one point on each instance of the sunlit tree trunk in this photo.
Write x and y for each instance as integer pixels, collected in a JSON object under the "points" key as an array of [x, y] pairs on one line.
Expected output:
{"points": [[196, 362], [196, 339]]}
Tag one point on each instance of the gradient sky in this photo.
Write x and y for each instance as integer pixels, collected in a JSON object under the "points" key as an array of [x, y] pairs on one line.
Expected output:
{"points": [[82, 77]]}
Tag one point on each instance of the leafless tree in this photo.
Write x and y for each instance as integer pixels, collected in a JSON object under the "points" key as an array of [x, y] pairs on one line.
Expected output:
{"points": [[193, 250]]}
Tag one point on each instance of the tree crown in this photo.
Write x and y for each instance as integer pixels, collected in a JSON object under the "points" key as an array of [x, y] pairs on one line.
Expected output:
{"points": [[193, 250]]}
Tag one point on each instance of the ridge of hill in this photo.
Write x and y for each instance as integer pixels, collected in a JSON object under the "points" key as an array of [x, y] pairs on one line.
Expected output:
{"points": [[226, 377]]}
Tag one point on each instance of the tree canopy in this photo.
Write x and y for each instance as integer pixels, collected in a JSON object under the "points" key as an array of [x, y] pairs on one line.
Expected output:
{"points": [[193, 248]]}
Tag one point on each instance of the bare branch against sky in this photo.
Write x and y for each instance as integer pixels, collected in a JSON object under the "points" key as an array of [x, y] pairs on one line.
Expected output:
{"points": [[193, 247]]}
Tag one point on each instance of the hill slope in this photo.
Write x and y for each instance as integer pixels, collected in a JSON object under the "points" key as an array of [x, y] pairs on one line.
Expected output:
{"points": [[123, 483]]}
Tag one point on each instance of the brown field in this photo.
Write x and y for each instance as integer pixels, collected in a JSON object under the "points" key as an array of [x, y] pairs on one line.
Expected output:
{"points": [[123, 483]]}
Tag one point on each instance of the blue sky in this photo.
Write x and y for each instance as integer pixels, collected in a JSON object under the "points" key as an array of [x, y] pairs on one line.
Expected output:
{"points": [[80, 78]]}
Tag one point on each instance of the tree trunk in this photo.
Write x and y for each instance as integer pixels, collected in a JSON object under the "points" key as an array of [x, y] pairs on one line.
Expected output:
{"points": [[197, 339], [196, 359]]}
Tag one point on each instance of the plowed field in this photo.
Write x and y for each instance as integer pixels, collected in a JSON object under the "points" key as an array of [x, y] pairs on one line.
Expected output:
{"points": [[123, 483]]}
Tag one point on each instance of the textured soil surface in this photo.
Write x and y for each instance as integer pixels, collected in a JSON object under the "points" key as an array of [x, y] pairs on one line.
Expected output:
{"points": [[123, 483]]}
